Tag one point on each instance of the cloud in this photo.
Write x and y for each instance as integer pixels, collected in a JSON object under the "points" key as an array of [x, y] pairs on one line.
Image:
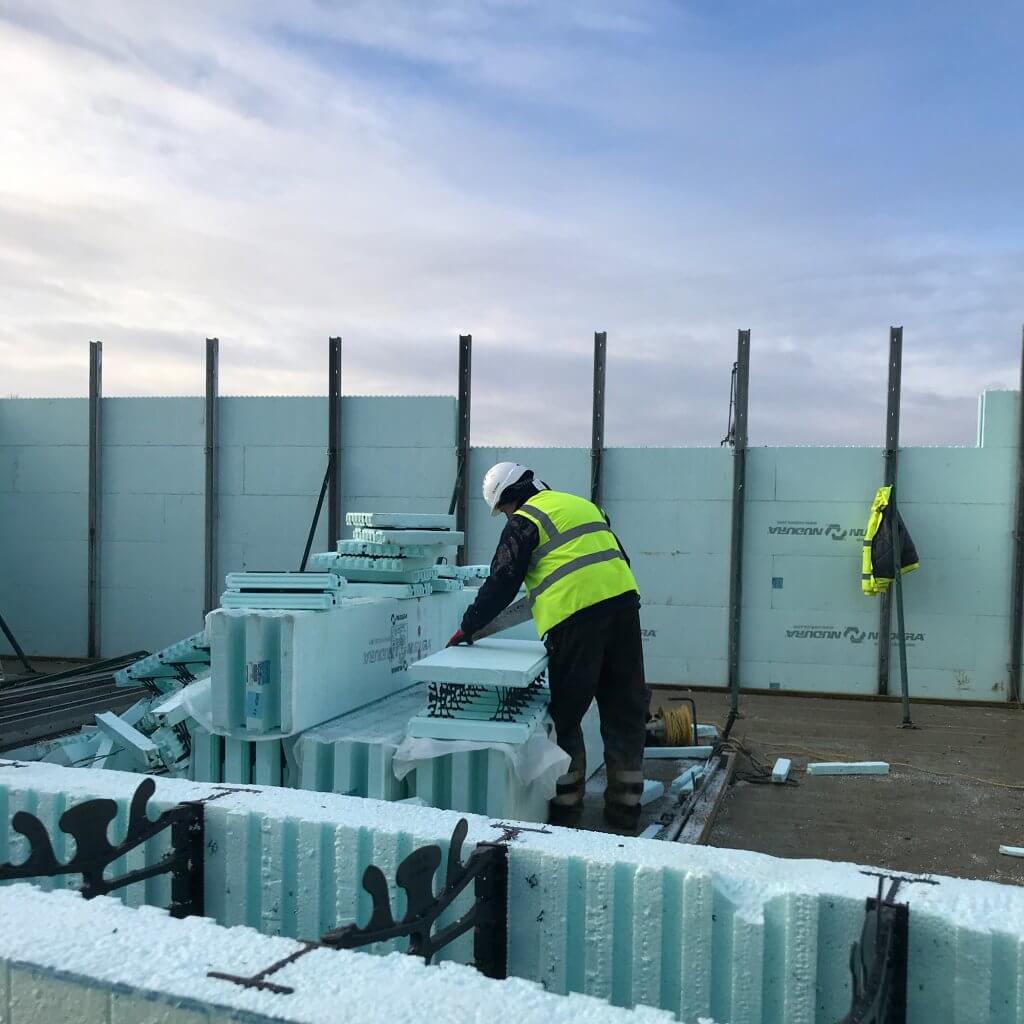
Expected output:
{"points": [[527, 172]]}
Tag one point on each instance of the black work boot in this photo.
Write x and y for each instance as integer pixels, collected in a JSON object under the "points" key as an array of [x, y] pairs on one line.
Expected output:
{"points": [[622, 818], [567, 805], [622, 799]]}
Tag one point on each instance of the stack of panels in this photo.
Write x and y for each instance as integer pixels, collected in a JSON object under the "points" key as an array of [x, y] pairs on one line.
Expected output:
{"points": [[281, 672], [701, 932], [491, 691], [354, 756], [310, 591]]}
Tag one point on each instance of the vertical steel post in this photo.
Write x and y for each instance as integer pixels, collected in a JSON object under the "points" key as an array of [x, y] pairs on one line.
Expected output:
{"points": [[1017, 592], [333, 443], [462, 444], [739, 484], [891, 455], [210, 576], [95, 422], [897, 583], [597, 419]]}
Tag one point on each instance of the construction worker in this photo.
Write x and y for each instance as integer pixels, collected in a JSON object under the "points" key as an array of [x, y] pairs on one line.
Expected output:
{"points": [[586, 605]]}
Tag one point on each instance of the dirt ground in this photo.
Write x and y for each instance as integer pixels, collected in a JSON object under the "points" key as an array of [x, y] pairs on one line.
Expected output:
{"points": [[955, 791]]}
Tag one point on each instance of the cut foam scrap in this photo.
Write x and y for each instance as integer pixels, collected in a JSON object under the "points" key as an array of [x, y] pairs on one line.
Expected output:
{"points": [[96, 961], [702, 932], [848, 768]]}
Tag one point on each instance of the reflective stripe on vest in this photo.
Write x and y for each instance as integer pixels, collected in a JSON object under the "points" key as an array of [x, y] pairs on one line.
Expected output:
{"points": [[578, 562]]}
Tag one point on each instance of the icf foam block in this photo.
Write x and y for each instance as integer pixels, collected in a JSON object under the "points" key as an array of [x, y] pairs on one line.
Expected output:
{"points": [[354, 754], [701, 932], [97, 962], [278, 673], [490, 662]]}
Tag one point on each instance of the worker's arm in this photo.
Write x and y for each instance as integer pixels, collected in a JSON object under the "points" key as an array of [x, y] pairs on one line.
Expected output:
{"points": [[508, 570]]}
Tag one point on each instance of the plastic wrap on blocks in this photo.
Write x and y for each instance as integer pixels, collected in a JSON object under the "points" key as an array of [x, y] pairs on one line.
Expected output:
{"points": [[97, 962], [701, 932], [276, 673], [354, 755]]}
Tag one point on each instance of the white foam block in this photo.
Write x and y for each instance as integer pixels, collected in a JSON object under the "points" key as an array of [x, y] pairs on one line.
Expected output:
{"points": [[425, 538], [652, 791], [848, 768], [278, 673], [486, 663], [98, 961], [400, 520], [727, 929], [781, 770], [668, 753]]}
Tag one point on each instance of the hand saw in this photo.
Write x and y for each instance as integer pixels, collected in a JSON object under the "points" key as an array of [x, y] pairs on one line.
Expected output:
{"points": [[515, 614]]}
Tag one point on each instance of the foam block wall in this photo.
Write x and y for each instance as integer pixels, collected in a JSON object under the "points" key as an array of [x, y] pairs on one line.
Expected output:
{"points": [[397, 453], [102, 970], [728, 934], [806, 625]]}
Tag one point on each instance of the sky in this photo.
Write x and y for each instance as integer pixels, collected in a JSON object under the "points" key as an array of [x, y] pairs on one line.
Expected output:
{"points": [[399, 173]]}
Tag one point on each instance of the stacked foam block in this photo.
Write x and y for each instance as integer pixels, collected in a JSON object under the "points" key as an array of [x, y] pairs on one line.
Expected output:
{"points": [[727, 934], [313, 591], [354, 755], [491, 691], [276, 673], [396, 554]]}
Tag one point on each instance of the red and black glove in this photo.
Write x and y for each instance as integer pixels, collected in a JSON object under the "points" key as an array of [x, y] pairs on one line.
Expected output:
{"points": [[458, 637]]}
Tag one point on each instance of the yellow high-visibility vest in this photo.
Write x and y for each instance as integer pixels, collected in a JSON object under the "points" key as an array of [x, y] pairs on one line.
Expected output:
{"points": [[876, 554], [577, 563]]}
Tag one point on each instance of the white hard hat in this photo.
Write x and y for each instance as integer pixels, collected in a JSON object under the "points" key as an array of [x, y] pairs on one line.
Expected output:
{"points": [[497, 478]]}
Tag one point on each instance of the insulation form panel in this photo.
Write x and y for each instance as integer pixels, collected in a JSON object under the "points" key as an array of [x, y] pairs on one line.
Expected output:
{"points": [[734, 935]]}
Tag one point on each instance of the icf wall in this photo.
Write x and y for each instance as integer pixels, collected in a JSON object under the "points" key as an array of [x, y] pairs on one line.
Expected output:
{"points": [[272, 455], [805, 623]]}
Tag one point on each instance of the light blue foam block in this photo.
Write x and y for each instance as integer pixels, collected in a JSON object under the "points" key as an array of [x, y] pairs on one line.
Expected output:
{"points": [[488, 662], [411, 538], [400, 520], [668, 753], [309, 601], [848, 768]]}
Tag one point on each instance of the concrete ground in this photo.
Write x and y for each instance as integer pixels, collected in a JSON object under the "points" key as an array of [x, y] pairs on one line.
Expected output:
{"points": [[954, 794]]}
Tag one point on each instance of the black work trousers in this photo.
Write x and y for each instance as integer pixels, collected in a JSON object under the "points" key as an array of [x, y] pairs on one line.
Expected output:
{"points": [[600, 657]]}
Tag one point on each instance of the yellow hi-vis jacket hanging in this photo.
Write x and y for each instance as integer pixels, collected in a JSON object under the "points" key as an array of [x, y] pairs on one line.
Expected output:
{"points": [[877, 569], [577, 563]]}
